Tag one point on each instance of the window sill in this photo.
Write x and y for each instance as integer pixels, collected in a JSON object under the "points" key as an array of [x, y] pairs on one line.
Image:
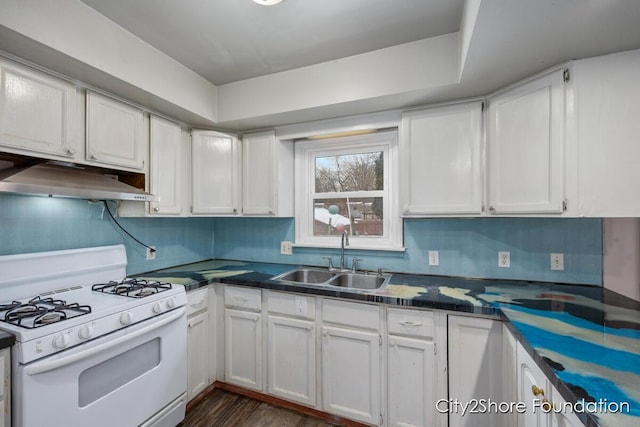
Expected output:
{"points": [[350, 247]]}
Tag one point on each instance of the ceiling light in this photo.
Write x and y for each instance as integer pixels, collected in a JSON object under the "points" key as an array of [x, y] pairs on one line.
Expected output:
{"points": [[267, 2]]}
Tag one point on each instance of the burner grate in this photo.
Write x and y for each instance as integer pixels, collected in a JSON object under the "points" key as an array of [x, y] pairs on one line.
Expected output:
{"points": [[40, 311], [133, 288]]}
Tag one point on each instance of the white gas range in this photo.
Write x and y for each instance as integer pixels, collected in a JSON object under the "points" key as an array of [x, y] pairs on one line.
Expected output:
{"points": [[88, 341]]}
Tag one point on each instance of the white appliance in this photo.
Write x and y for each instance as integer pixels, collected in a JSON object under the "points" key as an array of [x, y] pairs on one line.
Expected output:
{"points": [[92, 347]]}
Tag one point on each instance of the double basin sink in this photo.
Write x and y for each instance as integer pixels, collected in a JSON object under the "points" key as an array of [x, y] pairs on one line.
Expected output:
{"points": [[341, 279]]}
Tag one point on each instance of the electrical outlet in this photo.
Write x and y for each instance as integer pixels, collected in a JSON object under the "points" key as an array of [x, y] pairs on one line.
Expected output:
{"points": [[286, 248], [504, 259], [151, 253], [557, 262], [434, 258]]}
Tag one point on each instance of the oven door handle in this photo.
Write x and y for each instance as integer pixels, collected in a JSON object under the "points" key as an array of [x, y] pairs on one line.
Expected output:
{"points": [[40, 368]]}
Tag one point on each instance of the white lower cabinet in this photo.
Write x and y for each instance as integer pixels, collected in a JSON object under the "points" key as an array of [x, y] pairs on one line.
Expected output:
{"points": [[537, 392], [291, 347], [416, 367], [243, 337], [5, 388], [475, 369], [351, 373], [351, 343], [197, 342]]}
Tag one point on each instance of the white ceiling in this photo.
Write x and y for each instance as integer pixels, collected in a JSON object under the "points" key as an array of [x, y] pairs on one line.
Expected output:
{"points": [[308, 60], [230, 40]]}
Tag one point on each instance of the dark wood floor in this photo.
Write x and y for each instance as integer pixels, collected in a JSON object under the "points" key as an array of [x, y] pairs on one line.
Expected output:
{"points": [[222, 408]]}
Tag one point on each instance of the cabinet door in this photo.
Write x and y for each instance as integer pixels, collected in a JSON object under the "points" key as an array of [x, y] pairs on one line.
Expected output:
{"points": [[412, 378], [560, 418], [351, 374], [291, 370], [532, 390], [166, 167], [526, 147], [243, 348], [115, 133], [215, 168], [37, 113], [440, 151], [475, 367], [259, 181], [197, 354]]}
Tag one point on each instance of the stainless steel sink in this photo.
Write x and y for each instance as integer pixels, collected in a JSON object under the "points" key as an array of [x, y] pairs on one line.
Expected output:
{"points": [[359, 281], [306, 275], [315, 276]]}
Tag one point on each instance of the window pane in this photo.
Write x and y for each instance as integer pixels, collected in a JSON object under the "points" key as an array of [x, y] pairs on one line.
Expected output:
{"points": [[350, 172], [358, 216]]}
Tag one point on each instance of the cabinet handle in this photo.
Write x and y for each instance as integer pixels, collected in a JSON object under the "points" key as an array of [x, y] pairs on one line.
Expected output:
{"points": [[537, 391], [547, 406], [70, 152], [156, 209], [392, 343], [410, 323], [492, 210], [241, 301], [93, 157]]}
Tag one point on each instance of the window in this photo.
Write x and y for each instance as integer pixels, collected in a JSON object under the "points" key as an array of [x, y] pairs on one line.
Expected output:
{"points": [[346, 184]]}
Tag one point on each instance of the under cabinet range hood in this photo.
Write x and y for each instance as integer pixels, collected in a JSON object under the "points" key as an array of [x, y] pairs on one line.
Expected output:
{"points": [[58, 179]]}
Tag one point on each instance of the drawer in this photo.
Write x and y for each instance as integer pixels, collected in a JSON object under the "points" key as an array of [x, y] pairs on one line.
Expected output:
{"points": [[292, 305], [412, 323], [354, 314], [197, 301], [245, 298]]}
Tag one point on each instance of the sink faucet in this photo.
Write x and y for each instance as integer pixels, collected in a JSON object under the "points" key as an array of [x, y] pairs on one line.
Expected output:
{"points": [[344, 241]]}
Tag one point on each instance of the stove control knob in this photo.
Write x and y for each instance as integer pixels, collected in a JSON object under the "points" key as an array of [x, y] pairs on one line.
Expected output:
{"points": [[171, 303], [60, 341], [156, 308], [85, 332], [126, 318]]}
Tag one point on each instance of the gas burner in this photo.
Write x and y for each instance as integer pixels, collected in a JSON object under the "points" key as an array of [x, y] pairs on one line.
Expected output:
{"points": [[40, 311], [133, 288], [49, 317]]}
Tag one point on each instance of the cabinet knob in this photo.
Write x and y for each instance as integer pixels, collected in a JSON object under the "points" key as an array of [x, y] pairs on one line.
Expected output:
{"points": [[492, 210], [235, 210], [156, 209], [70, 151], [93, 157], [537, 391]]}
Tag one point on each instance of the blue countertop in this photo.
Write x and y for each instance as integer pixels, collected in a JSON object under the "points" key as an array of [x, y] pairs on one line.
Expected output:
{"points": [[585, 338]]}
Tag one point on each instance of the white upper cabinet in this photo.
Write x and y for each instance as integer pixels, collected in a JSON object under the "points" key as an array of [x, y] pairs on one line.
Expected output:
{"points": [[525, 160], [259, 178], [267, 175], [215, 165], [441, 160], [166, 167], [115, 134], [38, 114], [608, 106]]}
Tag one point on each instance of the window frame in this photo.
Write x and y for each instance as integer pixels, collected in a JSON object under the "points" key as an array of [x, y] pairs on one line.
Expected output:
{"points": [[308, 150]]}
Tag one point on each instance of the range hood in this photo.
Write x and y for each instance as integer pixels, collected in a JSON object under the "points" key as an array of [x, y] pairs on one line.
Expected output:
{"points": [[68, 180]]}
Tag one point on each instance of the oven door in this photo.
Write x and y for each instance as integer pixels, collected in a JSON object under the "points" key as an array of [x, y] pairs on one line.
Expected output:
{"points": [[122, 379]]}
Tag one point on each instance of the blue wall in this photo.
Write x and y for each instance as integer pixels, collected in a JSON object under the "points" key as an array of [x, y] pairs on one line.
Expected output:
{"points": [[468, 247], [34, 224]]}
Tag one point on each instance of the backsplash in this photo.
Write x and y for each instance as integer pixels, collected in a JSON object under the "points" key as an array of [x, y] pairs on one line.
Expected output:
{"points": [[467, 247], [35, 224]]}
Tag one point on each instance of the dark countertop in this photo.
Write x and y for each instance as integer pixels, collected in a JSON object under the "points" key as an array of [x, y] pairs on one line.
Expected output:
{"points": [[6, 339], [585, 338]]}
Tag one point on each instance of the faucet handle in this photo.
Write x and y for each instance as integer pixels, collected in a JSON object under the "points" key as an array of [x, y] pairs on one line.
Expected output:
{"points": [[354, 264], [330, 261]]}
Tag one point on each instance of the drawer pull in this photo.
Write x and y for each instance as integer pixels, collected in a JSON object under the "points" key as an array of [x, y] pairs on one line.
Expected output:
{"points": [[241, 300], [537, 391], [197, 304], [410, 323]]}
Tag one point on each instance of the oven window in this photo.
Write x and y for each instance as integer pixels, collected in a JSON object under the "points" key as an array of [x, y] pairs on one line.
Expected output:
{"points": [[102, 379]]}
